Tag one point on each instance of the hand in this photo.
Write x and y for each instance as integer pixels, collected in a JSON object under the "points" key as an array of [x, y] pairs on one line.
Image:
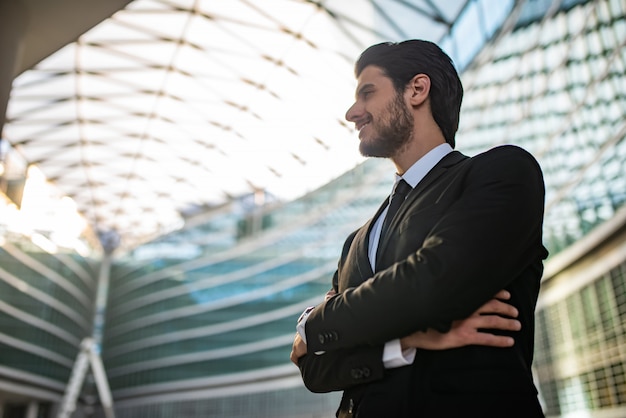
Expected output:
{"points": [[298, 349], [466, 331]]}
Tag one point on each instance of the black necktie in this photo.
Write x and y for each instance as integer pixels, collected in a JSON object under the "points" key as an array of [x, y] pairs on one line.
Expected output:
{"points": [[399, 194]]}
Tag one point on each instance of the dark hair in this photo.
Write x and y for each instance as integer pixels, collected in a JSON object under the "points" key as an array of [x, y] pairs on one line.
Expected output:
{"points": [[403, 60]]}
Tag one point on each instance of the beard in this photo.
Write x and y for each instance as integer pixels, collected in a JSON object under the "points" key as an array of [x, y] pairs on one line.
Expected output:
{"points": [[394, 131]]}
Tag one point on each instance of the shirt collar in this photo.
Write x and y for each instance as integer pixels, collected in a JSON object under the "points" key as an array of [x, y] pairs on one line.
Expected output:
{"points": [[421, 167]]}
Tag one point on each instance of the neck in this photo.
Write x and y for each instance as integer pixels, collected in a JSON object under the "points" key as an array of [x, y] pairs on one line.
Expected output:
{"points": [[416, 149]]}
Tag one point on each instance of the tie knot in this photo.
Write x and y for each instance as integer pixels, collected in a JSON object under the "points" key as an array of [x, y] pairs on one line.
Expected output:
{"points": [[402, 188]]}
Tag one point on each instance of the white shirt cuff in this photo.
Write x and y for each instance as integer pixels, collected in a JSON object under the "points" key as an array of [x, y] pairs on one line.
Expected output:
{"points": [[300, 327], [302, 321], [394, 356]]}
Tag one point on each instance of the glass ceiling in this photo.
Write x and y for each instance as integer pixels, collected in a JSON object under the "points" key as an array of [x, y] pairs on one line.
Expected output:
{"points": [[172, 107]]}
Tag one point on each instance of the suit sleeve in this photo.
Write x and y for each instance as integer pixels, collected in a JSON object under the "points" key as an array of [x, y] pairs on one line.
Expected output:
{"points": [[482, 242], [341, 369]]}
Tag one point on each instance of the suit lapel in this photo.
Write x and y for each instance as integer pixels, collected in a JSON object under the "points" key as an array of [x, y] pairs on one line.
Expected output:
{"points": [[440, 168], [361, 244]]}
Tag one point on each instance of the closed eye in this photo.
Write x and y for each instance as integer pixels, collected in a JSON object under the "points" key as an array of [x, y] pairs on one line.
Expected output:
{"points": [[365, 91]]}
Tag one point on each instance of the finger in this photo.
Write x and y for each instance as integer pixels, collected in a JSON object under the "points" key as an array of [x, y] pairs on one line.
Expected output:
{"points": [[294, 358], [492, 340], [294, 349], [495, 306], [496, 322], [299, 347], [503, 294]]}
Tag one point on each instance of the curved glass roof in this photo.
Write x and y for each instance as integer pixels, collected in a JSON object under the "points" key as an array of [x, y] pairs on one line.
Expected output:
{"points": [[174, 107]]}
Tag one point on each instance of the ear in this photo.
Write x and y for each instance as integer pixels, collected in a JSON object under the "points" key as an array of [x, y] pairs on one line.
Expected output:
{"points": [[419, 89]]}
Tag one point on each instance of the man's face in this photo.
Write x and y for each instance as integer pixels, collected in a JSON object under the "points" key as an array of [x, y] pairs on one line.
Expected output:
{"points": [[380, 115]]}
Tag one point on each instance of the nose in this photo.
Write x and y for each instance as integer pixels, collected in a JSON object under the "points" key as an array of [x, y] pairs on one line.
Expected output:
{"points": [[352, 112]]}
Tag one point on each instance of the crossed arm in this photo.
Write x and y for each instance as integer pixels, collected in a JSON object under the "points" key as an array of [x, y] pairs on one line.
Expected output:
{"points": [[495, 314], [504, 186]]}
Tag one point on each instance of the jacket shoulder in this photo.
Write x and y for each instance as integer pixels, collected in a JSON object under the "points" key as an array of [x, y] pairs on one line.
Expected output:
{"points": [[514, 155], [503, 151]]}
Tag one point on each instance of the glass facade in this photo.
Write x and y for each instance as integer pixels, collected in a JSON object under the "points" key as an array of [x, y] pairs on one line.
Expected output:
{"points": [[580, 359], [201, 314], [200, 321], [556, 87], [46, 309]]}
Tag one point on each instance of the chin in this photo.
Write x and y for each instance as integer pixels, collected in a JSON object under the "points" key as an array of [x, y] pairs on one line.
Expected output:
{"points": [[372, 150]]}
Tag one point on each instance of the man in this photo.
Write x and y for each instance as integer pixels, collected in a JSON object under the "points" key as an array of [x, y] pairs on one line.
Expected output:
{"points": [[402, 333]]}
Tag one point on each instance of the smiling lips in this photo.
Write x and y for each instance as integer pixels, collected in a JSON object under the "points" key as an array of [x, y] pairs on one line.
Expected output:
{"points": [[360, 125]]}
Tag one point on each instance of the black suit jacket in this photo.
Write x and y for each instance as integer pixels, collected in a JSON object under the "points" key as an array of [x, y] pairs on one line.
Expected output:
{"points": [[471, 227]]}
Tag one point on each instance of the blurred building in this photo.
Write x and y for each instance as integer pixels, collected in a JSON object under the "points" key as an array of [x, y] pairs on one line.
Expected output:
{"points": [[198, 319]]}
